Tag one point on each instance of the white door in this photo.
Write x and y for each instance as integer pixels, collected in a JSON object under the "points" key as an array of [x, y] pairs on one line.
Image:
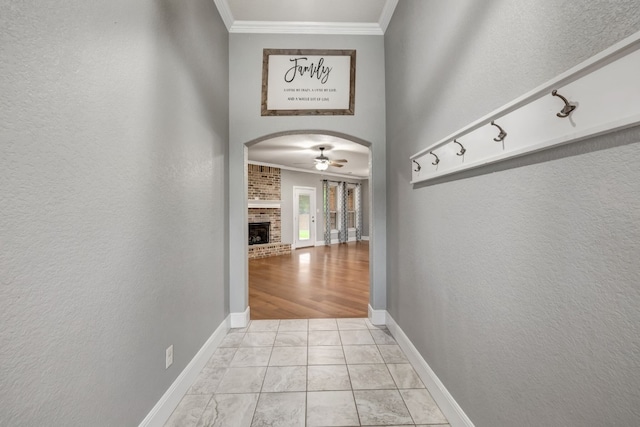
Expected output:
{"points": [[304, 216]]}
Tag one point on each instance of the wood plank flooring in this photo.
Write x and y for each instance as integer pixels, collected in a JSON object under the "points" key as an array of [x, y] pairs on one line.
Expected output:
{"points": [[321, 282]]}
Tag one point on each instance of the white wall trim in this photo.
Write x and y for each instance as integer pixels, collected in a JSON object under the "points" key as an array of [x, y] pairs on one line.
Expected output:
{"points": [[387, 13], [287, 27], [162, 410], [225, 12], [240, 320], [377, 317], [365, 238], [444, 399]]}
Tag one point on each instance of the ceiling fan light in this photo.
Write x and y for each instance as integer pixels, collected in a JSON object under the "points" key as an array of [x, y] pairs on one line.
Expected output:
{"points": [[322, 166]]}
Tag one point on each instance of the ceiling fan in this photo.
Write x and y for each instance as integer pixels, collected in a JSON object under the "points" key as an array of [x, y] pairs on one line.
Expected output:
{"points": [[323, 162]]}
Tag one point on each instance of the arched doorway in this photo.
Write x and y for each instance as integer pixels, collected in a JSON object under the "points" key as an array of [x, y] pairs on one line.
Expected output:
{"points": [[306, 261], [238, 220]]}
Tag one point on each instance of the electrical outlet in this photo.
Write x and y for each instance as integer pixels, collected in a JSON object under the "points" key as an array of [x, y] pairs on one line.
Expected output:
{"points": [[169, 356]]}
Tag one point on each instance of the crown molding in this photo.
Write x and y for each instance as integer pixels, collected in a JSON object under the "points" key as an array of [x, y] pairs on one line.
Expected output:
{"points": [[323, 28], [225, 13], [387, 13], [313, 171]]}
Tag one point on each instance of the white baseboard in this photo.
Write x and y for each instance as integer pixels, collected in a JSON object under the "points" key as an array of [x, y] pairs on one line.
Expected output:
{"points": [[446, 402], [365, 238], [240, 320], [377, 317], [161, 412]]}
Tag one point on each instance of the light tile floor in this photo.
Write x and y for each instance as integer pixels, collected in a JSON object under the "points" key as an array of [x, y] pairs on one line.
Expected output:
{"points": [[317, 372]]}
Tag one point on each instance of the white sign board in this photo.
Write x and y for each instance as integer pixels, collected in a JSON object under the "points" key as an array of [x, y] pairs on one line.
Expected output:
{"points": [[308, 82]]}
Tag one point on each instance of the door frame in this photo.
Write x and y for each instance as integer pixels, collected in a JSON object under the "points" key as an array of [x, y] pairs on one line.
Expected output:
{"points": [[313, 230]]}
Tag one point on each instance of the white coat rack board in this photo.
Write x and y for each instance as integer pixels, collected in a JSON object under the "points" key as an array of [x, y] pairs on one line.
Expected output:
{"points": [[598, 96]]}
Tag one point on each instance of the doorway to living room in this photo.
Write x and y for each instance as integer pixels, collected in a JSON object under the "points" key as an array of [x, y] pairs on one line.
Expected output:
{"points": [[316, 261]]}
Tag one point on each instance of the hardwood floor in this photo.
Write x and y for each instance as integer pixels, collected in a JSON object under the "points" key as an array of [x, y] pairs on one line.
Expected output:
{"points": [[321, 282]]}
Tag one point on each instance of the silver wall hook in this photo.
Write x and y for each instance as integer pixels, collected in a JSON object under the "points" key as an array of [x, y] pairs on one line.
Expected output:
{"points": [[567, 109], [417, 169], [437, 159], [502, 135], [462, 149]]}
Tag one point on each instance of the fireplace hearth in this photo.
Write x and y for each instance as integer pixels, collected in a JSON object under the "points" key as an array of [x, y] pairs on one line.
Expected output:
{"points": [[259, 233]]}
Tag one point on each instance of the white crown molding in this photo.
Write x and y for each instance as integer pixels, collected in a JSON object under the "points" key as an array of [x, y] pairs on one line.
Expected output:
{"points": [[225, 12], [313, 171], [324, 28], [387, 13]]}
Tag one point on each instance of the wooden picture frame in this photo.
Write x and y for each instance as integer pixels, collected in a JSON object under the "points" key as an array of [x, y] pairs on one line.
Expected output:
{"points": [[308, 82]]}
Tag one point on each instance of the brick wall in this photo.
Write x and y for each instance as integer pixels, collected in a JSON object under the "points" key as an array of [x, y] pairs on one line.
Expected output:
{"points": [[264, 182]]}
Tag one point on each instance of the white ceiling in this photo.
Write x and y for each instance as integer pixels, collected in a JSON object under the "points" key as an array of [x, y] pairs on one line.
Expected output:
{"points": [[307, 16], [347, 17], [297, 152]]}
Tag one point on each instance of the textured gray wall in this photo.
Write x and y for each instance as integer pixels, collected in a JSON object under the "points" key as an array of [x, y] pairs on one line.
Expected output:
{"points": [[518, 283], [246, 125], [302, 179], [113, 133]]}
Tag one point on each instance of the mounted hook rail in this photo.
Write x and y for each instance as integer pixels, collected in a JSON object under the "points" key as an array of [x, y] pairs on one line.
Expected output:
{"points": [[567, 109], [462, 149], [417, 169], [502, 135], [437, 159]]}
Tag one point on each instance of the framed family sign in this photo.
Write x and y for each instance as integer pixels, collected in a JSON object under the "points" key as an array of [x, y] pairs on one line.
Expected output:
{"points": [[299, 82]]}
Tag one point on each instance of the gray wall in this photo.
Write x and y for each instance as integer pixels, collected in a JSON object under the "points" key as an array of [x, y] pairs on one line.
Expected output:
{"points": [[113, 133], [518, 283], [290, 179], [246, 125]]}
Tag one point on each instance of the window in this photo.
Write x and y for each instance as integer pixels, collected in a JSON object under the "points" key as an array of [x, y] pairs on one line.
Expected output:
{"points": [[351, 206], [333, 205]]}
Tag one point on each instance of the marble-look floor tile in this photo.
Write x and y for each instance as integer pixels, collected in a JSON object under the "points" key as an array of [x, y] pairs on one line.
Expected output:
{"points": [[294, 325], [328, 377], [232, 340], [381, 407], [422, 407], [326, 355], [359, 354], [317, 338], [370, 377], [346, 324], [372, 326], [225, 410], [188, 411], [405, 376], [251, 356], [280, 410], [383, 337], [433, 425], [288, 356], [242, 380], [238, 330], [331, 408], [285, 378], [392, 354], [291, 339], [258, 339], [356, 337], [263, 325], [208, 380], [222, 357], [323, 325]]}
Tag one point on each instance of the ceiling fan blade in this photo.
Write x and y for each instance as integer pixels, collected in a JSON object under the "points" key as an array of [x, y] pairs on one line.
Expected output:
{"points": [[340, 160], [335, 165]]}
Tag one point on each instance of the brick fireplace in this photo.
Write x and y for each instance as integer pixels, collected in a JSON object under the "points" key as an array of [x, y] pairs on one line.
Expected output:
{"points": [[264, 207]]}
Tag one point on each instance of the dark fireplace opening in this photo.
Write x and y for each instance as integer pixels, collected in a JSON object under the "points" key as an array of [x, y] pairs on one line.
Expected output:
{"points": [[259, 233]]}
